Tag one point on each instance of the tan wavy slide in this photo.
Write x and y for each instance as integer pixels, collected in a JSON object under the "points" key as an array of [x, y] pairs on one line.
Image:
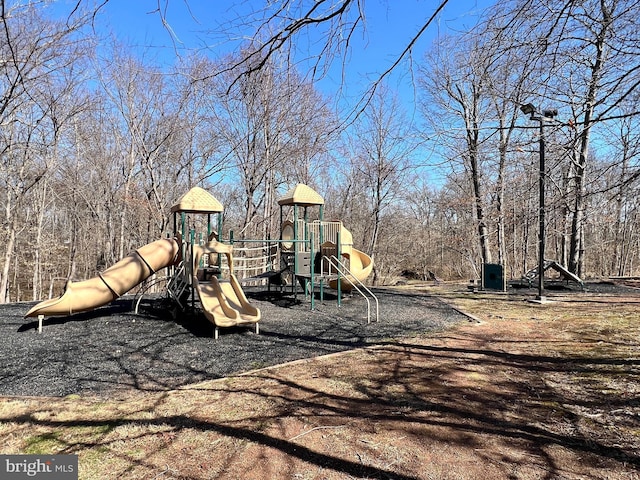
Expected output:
{"points": [[113, 282], [360, 264], [223, 301]]}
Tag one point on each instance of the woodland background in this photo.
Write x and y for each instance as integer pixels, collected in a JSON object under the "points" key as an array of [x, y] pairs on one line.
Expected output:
{"points": [[97, 143]]}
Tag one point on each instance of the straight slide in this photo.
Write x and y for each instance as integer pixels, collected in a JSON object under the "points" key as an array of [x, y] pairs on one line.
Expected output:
{"points": [[223, 301], [113, 282], [225, 304]]}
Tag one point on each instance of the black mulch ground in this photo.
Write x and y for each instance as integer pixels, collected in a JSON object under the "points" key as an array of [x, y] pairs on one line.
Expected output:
{"points": [[112, 348]]}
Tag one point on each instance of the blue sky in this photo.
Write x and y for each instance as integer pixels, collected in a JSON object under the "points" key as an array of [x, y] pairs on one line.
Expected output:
{"points": [[388, 21], [197, 24]]}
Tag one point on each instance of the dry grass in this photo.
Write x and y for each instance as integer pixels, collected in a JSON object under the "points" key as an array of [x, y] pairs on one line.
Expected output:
{"points": [[533, 391]]}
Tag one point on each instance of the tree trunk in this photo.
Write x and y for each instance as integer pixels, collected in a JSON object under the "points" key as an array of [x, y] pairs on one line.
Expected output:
{"points": [[483, 230], [37, 267], [576, 240], [579, 204], [124, 210], [500, 197]]}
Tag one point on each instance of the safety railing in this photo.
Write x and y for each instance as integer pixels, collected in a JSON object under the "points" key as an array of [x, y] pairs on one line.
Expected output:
{"points": [[319, 232], [347, 275]]}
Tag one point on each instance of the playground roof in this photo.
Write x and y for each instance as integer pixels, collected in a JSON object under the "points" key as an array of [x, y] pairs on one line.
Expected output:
{"points": [[197, 200], [301, 195]]}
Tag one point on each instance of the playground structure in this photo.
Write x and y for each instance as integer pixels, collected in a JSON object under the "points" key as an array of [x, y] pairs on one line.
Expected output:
{"points": [[202, 267], [199, 275], [562, 271], [223, 301], [318, 251]]}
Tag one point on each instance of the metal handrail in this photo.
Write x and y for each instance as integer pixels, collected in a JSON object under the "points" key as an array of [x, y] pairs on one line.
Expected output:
{"points": [[342, 268]]}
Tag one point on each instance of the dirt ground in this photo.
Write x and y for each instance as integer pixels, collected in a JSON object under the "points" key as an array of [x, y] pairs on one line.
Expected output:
{"points": [[522, 391]]}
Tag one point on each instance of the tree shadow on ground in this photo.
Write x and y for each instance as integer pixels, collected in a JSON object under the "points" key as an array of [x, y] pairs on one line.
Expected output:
{"points": [[495, 406]]}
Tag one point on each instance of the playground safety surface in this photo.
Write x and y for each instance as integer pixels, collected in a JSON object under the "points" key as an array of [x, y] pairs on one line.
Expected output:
{"points": [[112, 348]]}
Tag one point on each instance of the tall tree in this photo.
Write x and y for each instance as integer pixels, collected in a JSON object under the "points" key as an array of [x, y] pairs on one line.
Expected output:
{"points": [[456, 103], [38, 55], [382, 158], [590, 58], [276, 127], [145, 123], [508, 79]]}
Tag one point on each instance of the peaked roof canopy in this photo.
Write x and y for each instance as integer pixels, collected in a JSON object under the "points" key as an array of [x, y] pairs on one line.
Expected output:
{"points": [[301, 195], [197, 200]]}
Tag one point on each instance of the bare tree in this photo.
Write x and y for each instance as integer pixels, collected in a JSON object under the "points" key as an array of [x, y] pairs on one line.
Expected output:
{"points": [[381, 160], [200, 154], [323, 29], [589, 62], [620, 189], [276, 127], [38, 55], [456, 83], [508, 78], [144, 125]]}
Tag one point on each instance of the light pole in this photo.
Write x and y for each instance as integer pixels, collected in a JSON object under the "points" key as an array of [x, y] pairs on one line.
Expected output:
{"points": [[530, 109]]}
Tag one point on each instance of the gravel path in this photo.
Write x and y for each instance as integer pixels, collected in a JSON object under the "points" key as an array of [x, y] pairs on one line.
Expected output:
{"points": [[112, 348]]}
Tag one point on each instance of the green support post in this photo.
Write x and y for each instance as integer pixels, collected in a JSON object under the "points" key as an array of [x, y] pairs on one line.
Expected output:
{"points": [[183, 230], [220, 236], [295, 250], [339, 256], [192, 236], [311, 270], [321, 241]]}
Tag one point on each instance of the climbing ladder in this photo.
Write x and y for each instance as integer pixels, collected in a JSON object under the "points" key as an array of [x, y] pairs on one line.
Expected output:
{"points": [[179, 284]]}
